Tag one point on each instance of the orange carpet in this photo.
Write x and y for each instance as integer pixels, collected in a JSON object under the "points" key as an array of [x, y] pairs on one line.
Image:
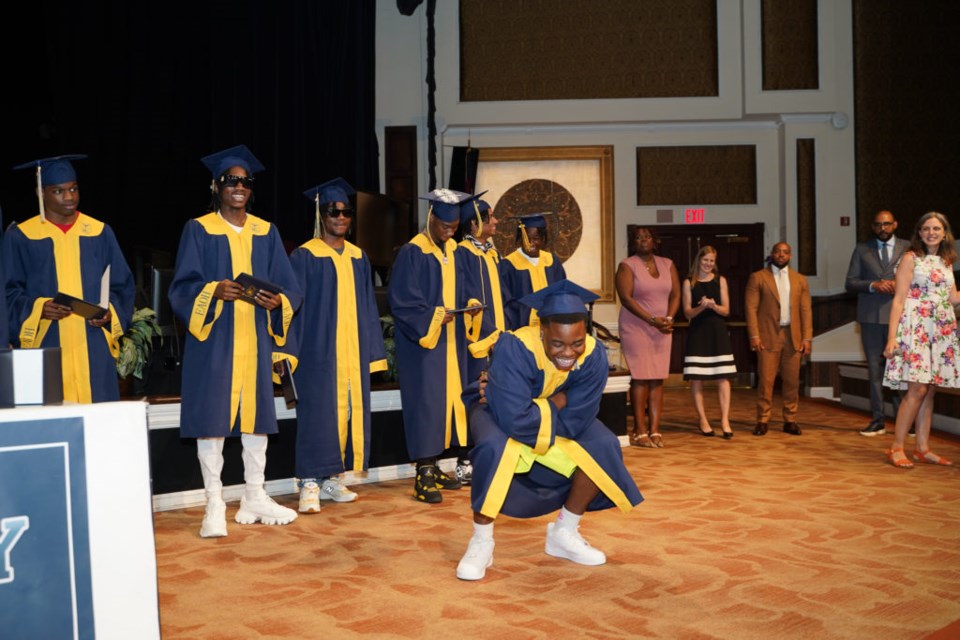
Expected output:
{"points": [[775, 537]]}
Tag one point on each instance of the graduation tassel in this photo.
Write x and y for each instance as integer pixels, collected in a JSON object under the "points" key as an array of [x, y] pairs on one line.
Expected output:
{"points": [[476, 209], [43, 213], [524, 239], [426, 230], [317, 227]]}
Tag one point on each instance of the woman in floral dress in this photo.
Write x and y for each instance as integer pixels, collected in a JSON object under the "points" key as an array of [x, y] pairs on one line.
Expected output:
{"points": [[922, 344]]}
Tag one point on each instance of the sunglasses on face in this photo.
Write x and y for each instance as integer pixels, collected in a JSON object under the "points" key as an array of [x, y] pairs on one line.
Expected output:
{"points": [[336, 213], [231, 180]]}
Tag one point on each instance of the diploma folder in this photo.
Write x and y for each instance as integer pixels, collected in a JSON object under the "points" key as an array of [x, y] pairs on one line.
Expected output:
{"points": [[287, 385], [465, 309], [80, 307], [252, 285], [84, 309]]}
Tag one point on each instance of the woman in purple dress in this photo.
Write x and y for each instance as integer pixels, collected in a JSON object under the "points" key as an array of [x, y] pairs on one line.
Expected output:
{"points": [[649, 290]]}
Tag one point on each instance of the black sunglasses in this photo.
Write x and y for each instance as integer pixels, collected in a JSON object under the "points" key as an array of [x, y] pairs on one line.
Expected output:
{"points": [[333, 212], [231, 180]]}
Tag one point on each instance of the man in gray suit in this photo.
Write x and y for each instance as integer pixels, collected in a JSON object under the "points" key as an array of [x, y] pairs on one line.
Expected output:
{"points": [[871, 275]]}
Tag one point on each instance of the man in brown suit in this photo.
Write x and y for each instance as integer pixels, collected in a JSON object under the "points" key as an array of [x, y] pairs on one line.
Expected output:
{"points": [[781, 334]]}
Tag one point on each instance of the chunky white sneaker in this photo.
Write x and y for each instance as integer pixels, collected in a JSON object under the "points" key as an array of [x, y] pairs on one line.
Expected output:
{"points": [[464, 472], [263, 509], [569, 544], [309, 498], [214, 520], [473, 565], [333, 490]]}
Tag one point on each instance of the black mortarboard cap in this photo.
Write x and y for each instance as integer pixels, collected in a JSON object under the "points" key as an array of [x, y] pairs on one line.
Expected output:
{"points": [[238, 156]]}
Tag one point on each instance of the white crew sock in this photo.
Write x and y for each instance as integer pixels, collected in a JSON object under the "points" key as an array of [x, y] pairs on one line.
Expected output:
{"points": [[483, 531], [567, 519]]}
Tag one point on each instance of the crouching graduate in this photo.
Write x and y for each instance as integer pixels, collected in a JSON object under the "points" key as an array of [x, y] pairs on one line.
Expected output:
{"points": [[231, 334], [64, 251], [539, 446], [338, 342]]}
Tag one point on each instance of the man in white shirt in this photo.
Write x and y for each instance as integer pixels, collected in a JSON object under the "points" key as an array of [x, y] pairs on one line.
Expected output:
{"points": [[780, 325]]}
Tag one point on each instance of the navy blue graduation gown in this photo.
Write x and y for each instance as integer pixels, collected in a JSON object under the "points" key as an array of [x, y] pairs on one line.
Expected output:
{"points": [[337, 341], [481, 271], [520, 277], [518, 412], [227, 361], [41, 260], [431, 356]]}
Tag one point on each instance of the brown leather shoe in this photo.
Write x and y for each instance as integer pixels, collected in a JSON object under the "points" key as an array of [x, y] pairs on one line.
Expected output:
{"points": [[760, 429], [792, 428]]}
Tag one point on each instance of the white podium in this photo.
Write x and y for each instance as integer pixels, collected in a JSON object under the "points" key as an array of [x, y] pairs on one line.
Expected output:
{"points": [[77, 552]]}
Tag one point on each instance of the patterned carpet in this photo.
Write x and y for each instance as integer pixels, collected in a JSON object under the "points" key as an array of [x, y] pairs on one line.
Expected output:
{"points": [[774, 537]]}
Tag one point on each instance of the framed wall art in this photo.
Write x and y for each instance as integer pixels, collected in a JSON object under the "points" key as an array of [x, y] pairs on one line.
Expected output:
{"points": [[575, 184]]}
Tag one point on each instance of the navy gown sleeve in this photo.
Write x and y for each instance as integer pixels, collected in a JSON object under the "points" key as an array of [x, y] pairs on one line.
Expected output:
{"points": [[513, 384], [584, 389]]}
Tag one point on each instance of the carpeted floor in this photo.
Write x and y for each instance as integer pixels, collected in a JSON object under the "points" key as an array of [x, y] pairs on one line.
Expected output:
{"points": [[775, 537]]}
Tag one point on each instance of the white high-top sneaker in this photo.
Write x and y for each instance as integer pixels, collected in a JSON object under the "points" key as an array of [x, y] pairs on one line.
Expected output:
{"points": [[210, 455], [256, 505], [568, 543], [479, 555], [214, 520]]}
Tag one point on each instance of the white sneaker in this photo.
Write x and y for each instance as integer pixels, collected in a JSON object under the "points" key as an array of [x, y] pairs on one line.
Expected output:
{"points": [[309, 498], [333, 490], [568, 543], [263, 509], [214, 520], [473, 565], [464, 472]]}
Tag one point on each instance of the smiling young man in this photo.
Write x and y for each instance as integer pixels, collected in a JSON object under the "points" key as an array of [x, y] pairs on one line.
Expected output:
{"points": [[62, 250], [539, 446], [338, 343], [227, 361]]}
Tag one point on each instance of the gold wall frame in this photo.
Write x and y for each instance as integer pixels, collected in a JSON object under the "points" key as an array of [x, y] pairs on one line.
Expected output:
{"points": [[586, 173]]}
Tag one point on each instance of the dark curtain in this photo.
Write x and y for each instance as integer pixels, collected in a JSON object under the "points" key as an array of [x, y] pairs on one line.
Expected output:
{"points": [[146, 89]]}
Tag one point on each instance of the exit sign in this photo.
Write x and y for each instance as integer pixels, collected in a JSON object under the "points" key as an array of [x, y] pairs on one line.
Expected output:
{"points": [[694, 216]]}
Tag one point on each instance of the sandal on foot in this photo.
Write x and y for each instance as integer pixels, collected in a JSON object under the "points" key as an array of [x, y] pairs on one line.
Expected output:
{"points": [[899, 459], [656, 440], [643, 440], [930, 457]]}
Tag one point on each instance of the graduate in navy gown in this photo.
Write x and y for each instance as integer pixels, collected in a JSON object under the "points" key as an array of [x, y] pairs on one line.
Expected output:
{"points": [[479, 260], [527, 269], [338, 342], [4, 320], [62, 250], [232, 334], [539, 446], [425, 291]]}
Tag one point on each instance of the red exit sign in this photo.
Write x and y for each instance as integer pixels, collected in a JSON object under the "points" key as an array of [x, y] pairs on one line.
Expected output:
{"points": [[694, 216]]}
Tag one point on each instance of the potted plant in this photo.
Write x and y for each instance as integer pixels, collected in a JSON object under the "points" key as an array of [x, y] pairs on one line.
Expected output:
{"points": [[136, 344]]}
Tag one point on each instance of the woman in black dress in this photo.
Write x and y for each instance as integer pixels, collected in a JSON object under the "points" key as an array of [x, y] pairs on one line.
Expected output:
{"points": [[709, 355]]}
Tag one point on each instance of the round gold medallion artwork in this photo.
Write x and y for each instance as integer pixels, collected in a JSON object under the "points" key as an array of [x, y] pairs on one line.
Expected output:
{"points": [[564, 228]]}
